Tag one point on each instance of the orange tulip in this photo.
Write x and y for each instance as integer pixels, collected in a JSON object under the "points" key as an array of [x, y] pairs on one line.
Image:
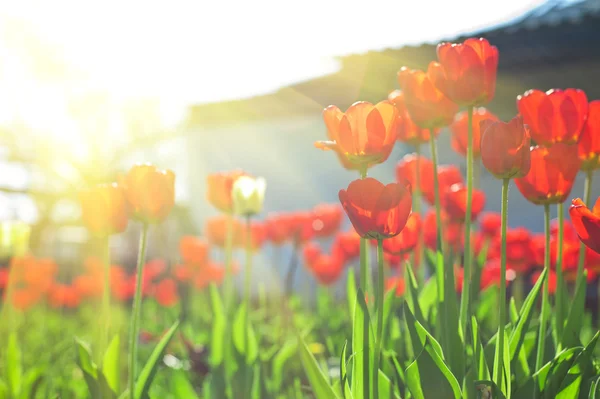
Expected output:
{"points": [[407, 240], [215, 230], [150, 192], [166, 293], [327, 269], [505, 148], [460, 126], [428, 107], [552, 174], [556, 116], [219, 187], [365, 134], [193, 250], [395, 283], [376, 210], [466, 73], [448, 175], [346, 245], [589, 141], [408, 131], [104, 209], [406, 171], [586, 223]]}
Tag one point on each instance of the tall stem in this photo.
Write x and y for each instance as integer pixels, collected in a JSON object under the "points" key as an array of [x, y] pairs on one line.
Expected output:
{"points": [[466, 292], [560, 282], [105, 295], [417, 209], [587, 197], [248, 282], [438, 219], [228, 283], [364, 254], [379, 305], [499, 371], [539, 361], [137, 308]]}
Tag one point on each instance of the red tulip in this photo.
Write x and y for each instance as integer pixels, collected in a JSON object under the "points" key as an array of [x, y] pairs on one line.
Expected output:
{"points": [[551, 280], [587, 223], [589, 141], [452, 231], [4, 274], [406, 171], [448, 175], [88, 286], [365, 134], [556, 116], [408, 131], [326, 219], [24, 298], [466, 73], [258, 235], [346, 245], [166, 293], [505, 150], [407, 240], [193, 250], [150, 192], [455, 202], [428, 107], [310, 253], [104, 209], [520, 255], [490, 223], [395, 283], [63, 296], [277, 227], [218, 189], [327, 269], [375, 210], [491, 274], [460, 130], [552, 174]]}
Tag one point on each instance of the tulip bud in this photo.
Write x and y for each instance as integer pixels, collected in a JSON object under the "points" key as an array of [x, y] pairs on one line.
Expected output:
{"points": [[248, 194]]}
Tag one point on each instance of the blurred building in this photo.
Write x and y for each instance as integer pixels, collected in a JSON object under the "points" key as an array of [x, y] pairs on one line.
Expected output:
{"points": [[554, 45]]}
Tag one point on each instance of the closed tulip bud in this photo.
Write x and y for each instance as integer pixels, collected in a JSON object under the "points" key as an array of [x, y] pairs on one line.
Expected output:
{"points": [[104, 209], [150, 192], [505, 148], [248, 194]]}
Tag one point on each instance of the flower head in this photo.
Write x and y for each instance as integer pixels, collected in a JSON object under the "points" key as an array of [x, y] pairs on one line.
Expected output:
{"points": [[505, 148], [248, 194], [150, 192]]}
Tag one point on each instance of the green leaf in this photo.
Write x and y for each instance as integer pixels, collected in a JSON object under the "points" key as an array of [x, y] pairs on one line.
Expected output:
{"points": [[31, 382], [217, 348], [579, 371], [418, 333], [363, 340], [551, 375], [285, 353], [142, 385], [429, 377], [455, 351], [13, 365], [345, 389], [428, 298], [518, 333], [385, 386], [318, 380], [572, 329], [485, 388], [595, 389], [88, 367], [244, 338], [111, 363], [181, 386], [413, 298], [483, 371]]}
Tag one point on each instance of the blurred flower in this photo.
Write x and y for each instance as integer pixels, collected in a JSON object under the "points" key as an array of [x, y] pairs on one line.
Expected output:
{"points": [[165, 293], [428, 107], [24, 298], [452, 231], [551, 280], [408, 131], [4, 274], [346, 245], [490, 224], [277, 227], [258, 235], [327, 269], [150, 192], [365, 134], [505, 148], [406, 171], [215, 230], [460, 130], [466, 72], [104, 209], [448, 176], [193, 250], [326, 219], [154, 269], [310, 252], [491, 274], [212, 273], [455, 202], [408, 238], [556, 116], [219, 189], [520, 254], [248, 195], [395, 283], [376, 210], [63, 296], [552, 174], [88, 286], [589, 141], [587, 223]]}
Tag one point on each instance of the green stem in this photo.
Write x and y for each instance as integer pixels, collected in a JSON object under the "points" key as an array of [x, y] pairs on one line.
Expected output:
{"points": [[417, 209], [466, 293], [364, 255], [248, 283], [438, 219], [105, 296], [379, 301], [137, 309], [228, 283], [560, 282], [539, 361], [587, 197], [499, 371]]}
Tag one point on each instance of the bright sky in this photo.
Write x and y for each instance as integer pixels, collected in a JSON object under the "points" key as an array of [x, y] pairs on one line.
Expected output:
{"points": [[64, 63]]}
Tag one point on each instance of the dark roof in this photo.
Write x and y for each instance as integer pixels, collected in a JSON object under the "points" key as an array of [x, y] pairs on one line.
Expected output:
{"points": [[554, 45]]}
